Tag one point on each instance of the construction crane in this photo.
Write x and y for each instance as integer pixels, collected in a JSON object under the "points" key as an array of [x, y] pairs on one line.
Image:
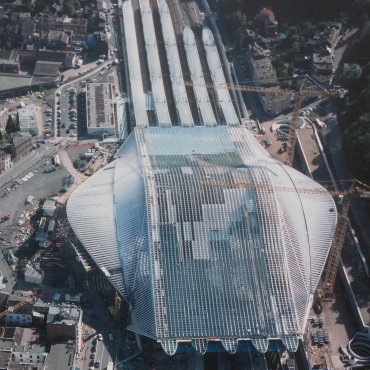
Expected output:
{"points": [[14, 308], [293, 127], [356, 190]]}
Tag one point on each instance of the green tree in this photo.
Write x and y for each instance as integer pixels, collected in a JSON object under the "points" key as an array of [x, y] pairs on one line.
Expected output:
{"points": [[235, 21], [356, 142], [78, 163], [351, 76], [69, 9], [360, 6], [12, 125]]}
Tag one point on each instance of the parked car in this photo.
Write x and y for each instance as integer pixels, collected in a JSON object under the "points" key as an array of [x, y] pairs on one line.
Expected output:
{"points": [[100, 337]]}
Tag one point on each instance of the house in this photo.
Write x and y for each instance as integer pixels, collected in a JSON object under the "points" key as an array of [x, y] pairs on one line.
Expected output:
{"points": [[20, 18], [28, 31], [23, 316], [78, 40], [21, 145], [75, 25], [64, 321], [270, 27], [57, 40], [5, 161], [70, 60], [54, 8]]}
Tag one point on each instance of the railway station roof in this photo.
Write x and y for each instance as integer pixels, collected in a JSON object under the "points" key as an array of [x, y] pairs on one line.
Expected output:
{"points": [[199, 255]]}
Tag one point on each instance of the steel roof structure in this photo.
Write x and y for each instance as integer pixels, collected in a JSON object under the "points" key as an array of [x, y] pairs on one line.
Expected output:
{"points": [[178, 86], [198, 258], [196, 72], [137, 92], [159, 95], [218, 77]]}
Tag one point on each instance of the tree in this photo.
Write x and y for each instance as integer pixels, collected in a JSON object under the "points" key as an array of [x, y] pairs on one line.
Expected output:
{"points": [[78, 163], [235, 21], [360, 6], [263, 14], [351, 76], [12, 125], [69, 9], [356, 142]]}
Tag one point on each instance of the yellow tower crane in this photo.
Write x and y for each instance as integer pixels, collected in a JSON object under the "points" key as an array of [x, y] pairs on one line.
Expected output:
{"points": [[356, 190], [297, 95]]}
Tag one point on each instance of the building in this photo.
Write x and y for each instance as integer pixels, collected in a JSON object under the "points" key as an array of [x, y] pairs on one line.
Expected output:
{"points": [[31, 353], [5, 161], [200, 256], [3, 117], [22, 318], [78, 40], [9, 66], [42, 232], [100, 109], [28, 32], [48, 208], [75, 25], [263, 73], [21, 145], [27, 118], [64, 321], [270, 27], [322, 64], [33, 273], [57, 40], [61, 356]]}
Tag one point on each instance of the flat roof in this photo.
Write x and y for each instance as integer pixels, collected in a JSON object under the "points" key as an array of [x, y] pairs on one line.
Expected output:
{"points": [[27, 116], [99, 105], [61, 356]]}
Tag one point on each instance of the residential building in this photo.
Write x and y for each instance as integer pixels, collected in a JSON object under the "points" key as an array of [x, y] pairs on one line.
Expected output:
{"points": [[327, 39], [3, 117], [263, 73], [61, 356], [21, 145], [303, 63], [100, 109], [22, 318], [33, 273], [270, 27], [5, 161], [57, 40], [322, 64], [19, 18], [28, 32], [75, 25], [78, 40], [64, 321], [27, 118]]}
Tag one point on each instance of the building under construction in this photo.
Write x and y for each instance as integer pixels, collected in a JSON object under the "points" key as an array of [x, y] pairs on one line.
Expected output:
{"points": [[199, 256]]}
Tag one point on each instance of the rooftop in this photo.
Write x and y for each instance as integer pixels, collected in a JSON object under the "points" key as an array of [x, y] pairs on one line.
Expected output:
{"points": [[100, 108], [61, 356], [66, 314], [212, 259]]}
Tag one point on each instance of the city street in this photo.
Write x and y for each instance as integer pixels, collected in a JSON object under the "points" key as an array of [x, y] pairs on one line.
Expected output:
{"points": [[25, 165]]}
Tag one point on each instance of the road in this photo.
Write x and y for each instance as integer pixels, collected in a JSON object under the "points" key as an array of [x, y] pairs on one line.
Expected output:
{"points": [[27, 164]]}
